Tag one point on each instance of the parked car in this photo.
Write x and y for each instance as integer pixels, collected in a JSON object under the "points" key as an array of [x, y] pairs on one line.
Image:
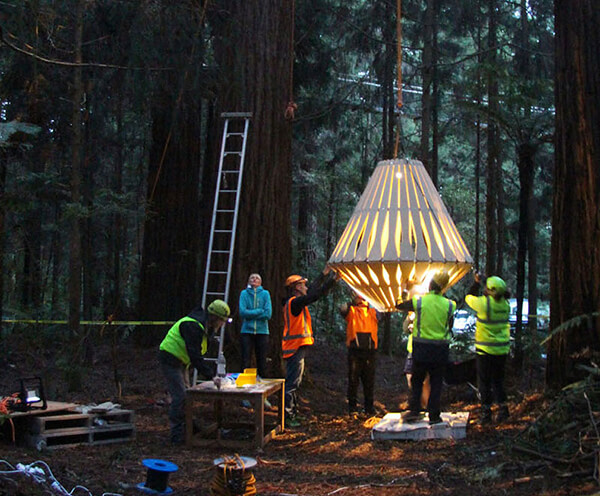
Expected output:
{"points": [[512, 318], [464, 322], [543, 314]]}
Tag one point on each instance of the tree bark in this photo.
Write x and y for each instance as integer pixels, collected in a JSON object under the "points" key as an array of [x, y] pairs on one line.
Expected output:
{"points": [[427, 101], [526, 165], [169, 283], [75, 264], [491, 206], [169, 286], [575, 254], [255, 54]]}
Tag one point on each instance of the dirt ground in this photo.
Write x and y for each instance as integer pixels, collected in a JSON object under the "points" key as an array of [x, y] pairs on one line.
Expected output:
{"points": [[332, 453]]}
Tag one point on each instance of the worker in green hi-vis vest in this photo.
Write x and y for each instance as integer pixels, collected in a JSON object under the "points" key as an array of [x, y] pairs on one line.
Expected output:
{"points": [[430, 342], [185, 344], [492, 343]]}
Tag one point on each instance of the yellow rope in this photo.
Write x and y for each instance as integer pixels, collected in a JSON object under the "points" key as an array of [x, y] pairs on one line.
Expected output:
{"points": [[399, 70], [233, 479], [399, 50]]}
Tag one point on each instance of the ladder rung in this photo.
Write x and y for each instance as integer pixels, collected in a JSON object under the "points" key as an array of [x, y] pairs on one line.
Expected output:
{"points": [[215, 294], [225, 211], [231, 171], [217, 272], [220, 251], [232, 153], [245, 115], [228, 191], [235, 134], [223, 231]]}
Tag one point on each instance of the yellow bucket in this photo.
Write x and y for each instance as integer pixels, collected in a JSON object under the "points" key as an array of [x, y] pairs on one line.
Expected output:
{"points": [[246, 377]]}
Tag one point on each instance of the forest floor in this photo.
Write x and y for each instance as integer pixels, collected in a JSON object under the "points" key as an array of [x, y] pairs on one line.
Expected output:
{"points": [[331, 453]]}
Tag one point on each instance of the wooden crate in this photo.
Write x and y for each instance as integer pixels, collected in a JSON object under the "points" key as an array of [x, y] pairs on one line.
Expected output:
{"points": [[59, 431]]}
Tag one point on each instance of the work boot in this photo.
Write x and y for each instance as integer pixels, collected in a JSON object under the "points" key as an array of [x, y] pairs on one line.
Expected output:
{"points": [[486, 415], [292, 421], [502, 414], [411, 417], [435, 419]]}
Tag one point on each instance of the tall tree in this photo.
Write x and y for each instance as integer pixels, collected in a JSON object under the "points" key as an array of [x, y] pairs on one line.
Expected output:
{"points": [[75, 263], [169, 284], [428, 63], [493, 166], [254, 50], [575, 262]]}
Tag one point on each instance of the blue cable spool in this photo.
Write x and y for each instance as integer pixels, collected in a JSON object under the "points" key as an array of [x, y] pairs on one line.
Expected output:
{"points": [[157, 477]]}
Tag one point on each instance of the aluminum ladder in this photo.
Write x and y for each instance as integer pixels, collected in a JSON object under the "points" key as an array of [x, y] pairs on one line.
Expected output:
{"points": [[219, 258]]}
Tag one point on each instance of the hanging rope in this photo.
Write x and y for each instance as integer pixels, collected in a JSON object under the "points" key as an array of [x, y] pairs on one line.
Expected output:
{"points": [[291, 106], [398, 70]]}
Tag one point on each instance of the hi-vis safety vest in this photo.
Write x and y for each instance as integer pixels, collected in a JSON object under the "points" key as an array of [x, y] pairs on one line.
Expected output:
{"points": [[432, 318], [297, 330], [361, 319], [492, 331], [175, 344]]}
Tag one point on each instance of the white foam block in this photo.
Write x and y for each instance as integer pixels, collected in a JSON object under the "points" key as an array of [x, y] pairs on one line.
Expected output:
{"points": [[453, 426]]}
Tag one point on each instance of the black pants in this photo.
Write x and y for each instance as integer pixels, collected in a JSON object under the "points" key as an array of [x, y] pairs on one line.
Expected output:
{"points": [[436, 378], [490, 378], [259, 344], [361, 368]]}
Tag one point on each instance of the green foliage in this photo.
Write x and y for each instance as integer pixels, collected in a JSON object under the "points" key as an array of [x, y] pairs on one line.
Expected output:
{"points": [[342, 52]]}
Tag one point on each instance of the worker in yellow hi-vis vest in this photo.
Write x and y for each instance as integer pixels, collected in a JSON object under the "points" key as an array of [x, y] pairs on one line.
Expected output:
{"points": [[492, 343], [185, 344], [431, 342]]}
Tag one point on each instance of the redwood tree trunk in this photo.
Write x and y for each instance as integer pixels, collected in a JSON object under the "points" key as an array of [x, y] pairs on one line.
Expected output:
{"points": [[525, 157], [575, 256], [77, 149], [255, 54], [169, 285], [491, 220]]}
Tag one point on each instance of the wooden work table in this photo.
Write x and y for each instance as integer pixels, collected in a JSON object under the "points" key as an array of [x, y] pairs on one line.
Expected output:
{"points": [[229, 399]]}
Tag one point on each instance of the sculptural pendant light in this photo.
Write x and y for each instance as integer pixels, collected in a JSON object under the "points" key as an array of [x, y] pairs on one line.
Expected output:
{"points": [[399, 235]]}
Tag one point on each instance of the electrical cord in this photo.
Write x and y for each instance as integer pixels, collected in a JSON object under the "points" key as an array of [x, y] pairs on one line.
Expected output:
{"points": [[45, 476]]}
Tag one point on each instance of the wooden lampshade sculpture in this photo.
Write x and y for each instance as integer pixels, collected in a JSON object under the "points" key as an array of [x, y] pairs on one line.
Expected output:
{"points": [[399, 235]]}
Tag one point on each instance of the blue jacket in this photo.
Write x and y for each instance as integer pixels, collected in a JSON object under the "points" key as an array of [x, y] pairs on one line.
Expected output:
{"points": [[255, 309]]}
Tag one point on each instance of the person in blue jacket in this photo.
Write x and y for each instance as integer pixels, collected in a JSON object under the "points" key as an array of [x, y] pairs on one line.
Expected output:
{"points": [[255, 310]]}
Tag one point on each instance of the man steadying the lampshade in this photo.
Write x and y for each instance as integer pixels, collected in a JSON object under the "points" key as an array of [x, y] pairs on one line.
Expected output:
{"points": [[431, 343], [298, 333]]}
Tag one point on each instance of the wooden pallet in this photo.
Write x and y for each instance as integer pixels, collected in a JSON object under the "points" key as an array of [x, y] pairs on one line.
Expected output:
{"points": [[60, 431], [453, 425]]}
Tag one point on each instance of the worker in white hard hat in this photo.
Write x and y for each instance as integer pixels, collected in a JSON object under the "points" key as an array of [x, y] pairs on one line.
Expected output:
{"points": [[431, 343], [185, 344], [298, 333], [492, 343]]}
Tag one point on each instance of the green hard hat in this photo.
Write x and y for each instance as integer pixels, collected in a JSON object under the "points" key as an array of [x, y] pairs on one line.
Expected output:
{"points": [[219, 308], [495, 285]]}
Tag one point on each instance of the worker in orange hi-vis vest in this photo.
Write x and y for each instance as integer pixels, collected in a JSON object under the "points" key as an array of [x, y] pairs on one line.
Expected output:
{"points": [[361, 340], [298, 333]]}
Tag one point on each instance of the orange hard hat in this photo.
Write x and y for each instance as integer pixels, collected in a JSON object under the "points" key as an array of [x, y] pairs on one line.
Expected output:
{"points": [[294, 279]]}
